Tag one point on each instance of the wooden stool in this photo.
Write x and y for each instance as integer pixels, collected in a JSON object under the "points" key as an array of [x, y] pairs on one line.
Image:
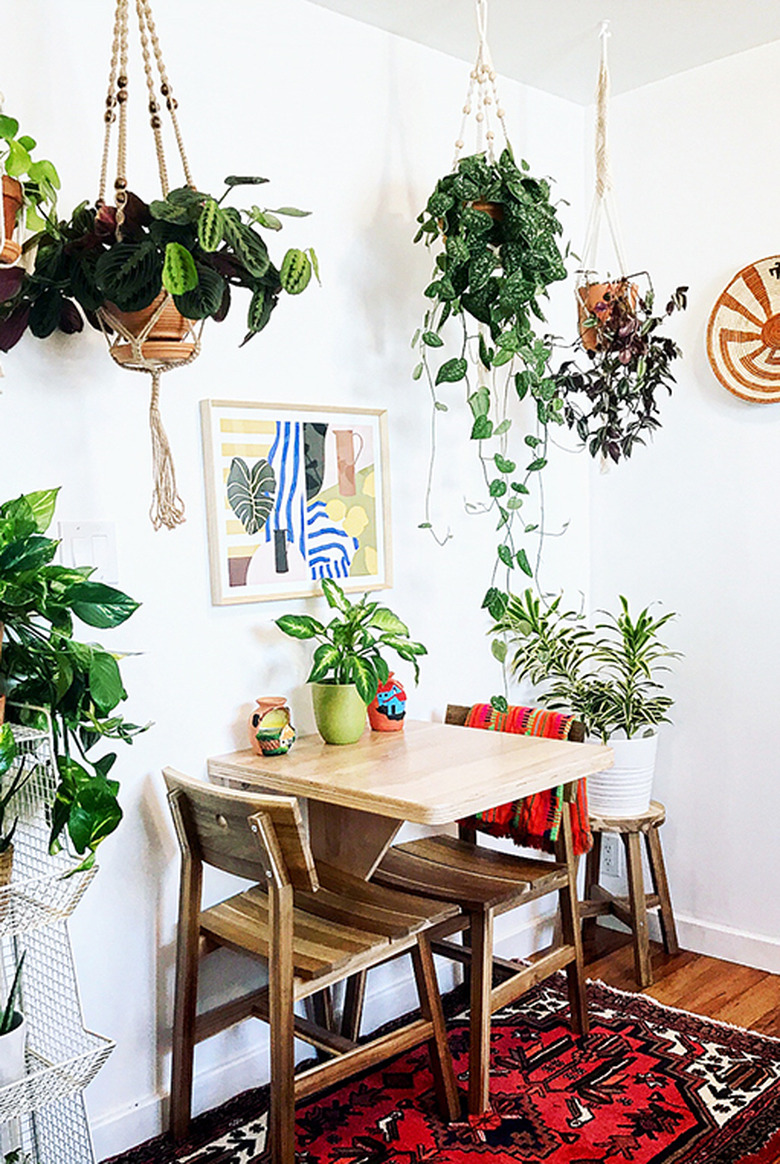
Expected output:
{"points": [[632, 911]]}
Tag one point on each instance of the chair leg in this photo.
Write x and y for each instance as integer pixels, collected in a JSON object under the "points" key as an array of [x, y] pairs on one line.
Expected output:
{"points": [[638, 906], [592, 878], [430, 1007], [570, 927], [661, 888], [354, 998], [186, 995], [481, 989], [281, 1123]]}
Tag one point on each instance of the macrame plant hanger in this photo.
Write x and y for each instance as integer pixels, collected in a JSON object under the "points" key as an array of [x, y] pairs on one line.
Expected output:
{"points": [[603, 207], [482, 96], [129, 343]]}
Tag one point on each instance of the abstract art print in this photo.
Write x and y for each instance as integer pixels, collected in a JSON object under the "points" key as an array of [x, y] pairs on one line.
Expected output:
{"points": [[295, 493]]}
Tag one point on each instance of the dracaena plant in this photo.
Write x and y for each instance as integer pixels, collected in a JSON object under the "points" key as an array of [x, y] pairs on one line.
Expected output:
{"points": [[497, 234], [351, 644], [43, 666], [610, 389], [188, 244], [607, 676]]}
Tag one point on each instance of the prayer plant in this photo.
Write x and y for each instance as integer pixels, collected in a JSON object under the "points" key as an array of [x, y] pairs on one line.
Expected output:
{"points": [[497, 232], [43, 666], [188, 244], [351, 644]]}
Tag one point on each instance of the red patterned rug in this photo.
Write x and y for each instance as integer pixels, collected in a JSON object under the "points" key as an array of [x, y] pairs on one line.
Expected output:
{"points": [[650, 1085]]}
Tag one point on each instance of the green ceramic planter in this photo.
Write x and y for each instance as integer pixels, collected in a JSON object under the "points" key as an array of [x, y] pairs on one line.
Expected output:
{"points": [[339, 711]]}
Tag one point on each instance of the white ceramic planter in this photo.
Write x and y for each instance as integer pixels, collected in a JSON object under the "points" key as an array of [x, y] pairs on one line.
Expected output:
{"points": [[12, 1052], [625, 789]]}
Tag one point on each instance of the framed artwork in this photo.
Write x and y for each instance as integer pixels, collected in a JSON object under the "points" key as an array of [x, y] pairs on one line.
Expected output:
{"points": [[295, 493]]}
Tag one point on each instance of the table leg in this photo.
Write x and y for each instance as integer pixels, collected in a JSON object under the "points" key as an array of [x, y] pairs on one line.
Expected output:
{"points": [[349, 839]]}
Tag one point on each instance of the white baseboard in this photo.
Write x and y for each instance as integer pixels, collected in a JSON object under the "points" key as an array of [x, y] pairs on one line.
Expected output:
{"points": [[115, 1131]]}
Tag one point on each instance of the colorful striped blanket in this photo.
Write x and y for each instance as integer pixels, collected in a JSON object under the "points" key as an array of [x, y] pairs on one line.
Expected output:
{"points": [[535, 821]]}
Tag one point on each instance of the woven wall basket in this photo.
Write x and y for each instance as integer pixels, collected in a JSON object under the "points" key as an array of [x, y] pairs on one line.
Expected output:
{"points": [[743, 335]]}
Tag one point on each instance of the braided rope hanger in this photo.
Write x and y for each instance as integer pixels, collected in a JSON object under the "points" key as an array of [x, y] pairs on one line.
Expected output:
{"points": [[482, 79], [134, 352], [603, 205]]}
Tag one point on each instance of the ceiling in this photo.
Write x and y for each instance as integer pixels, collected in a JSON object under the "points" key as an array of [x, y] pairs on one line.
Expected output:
{"points": [[553, 44]]}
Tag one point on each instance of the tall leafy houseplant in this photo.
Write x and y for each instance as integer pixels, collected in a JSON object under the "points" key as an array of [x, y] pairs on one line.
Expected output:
{"points": [[622, 362], [37, 178], [188, 244], [43, 665], [497, 232], [607, 676], [350, 648]]}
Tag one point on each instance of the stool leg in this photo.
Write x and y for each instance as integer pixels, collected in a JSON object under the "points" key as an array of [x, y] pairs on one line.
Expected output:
{"points": [[479, 1031], [570, 927], [592, 877], [661, 888], [638, 907]]}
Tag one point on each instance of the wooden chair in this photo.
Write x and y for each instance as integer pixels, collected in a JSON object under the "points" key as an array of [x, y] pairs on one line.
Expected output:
{"points": [[485, 883], [312, 926]]}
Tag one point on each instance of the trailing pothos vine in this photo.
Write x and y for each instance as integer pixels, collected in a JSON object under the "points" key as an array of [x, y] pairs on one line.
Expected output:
{"points": [[500, 253]]}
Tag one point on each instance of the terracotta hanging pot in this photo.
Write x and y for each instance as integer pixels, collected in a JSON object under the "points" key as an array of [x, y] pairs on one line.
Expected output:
{"points": [[167, 341], [595, 301], [494, 209], [12, 205]]}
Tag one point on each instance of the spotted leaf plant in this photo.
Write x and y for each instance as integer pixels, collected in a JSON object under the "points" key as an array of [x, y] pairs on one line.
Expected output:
{"points": [[496, 233]]}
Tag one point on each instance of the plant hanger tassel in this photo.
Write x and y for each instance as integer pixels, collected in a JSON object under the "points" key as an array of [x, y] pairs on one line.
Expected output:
{"points": [[604, 200], [157, 338]]}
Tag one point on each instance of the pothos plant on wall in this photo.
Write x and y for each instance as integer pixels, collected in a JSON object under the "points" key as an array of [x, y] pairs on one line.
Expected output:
{"points": [[499, 232]]}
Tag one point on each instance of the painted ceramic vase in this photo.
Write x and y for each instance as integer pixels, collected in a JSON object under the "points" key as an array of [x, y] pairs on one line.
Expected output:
{"points": [[270, 730], [386, 712]]}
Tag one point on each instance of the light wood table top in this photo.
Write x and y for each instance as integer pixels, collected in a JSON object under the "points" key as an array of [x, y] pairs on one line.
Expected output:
{"points": [[429, 773]]}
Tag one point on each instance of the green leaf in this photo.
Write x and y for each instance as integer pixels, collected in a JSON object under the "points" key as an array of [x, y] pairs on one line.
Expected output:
{"points": [[479, 401], [249, 248], [326, 658], [536, 465], [9, 126], [32, 553], [179, 271], [522, 560], [205, 299], [495, 602], [295, 271], [232, 180], [418, 371], [498, 649], [315, 264], [451, 371], [105, 682], [503, 427], [499, 703], [497, 487], [292, 212], [482, 429], [99, 605], [335, 596], [505, 554], [130, 274], [385, 620], [250, 493], [440, 406], [300, 626], [266, 218], [18, 161], [42, 505], [485, 355], [519, 487], [211, 225], [7, 748], [432, 340], [365, 679], [503, 465]]}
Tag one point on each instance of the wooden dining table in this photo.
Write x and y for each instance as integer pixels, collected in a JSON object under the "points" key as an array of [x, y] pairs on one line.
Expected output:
{"points": [[360, 794]]}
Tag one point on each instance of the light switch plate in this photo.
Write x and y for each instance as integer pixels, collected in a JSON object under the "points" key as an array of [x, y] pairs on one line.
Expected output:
{"points": [[90, 543]]}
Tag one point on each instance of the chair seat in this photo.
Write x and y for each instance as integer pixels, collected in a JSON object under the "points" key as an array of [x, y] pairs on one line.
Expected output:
{"points": [[451, 870], [345, 920]]}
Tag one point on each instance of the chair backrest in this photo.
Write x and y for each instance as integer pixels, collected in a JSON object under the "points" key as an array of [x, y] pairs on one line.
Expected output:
{"points": [[213, 825], [456, 713]]}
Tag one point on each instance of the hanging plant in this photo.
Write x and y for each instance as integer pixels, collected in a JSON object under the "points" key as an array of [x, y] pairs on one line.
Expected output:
{"points": [[498, 233], [610, 389], [28, 184], [148, 274], [611, 400]]}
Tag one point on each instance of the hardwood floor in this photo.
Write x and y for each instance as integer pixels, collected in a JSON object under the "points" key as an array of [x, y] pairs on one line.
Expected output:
{"points": [[722, 990]]}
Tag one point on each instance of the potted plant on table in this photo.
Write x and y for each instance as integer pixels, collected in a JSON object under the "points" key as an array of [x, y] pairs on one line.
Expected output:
{"points": [[348, 666], [42, 665], [609, 391], [147, 270], [26, 183], [607, 676]]}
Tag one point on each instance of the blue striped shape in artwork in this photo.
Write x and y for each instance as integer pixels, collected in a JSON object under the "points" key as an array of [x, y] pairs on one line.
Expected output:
{"points": [[285, 457], [331, 549]]}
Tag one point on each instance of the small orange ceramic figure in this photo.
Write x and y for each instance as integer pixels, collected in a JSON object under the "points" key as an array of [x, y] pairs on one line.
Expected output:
{"points": [[386, 712], [270, 730]]}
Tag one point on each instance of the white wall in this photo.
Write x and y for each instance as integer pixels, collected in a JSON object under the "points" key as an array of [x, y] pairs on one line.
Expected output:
{"points": [[693, 520], [355, 125]]}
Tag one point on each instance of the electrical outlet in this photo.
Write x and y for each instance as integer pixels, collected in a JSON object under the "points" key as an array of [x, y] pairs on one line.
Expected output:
{"points": [[611, 855]]}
